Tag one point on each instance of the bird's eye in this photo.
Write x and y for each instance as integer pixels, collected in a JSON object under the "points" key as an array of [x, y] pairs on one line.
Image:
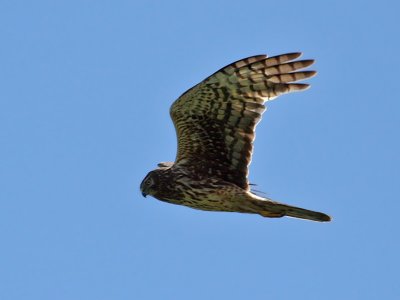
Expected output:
{"points": [[148, 181]]}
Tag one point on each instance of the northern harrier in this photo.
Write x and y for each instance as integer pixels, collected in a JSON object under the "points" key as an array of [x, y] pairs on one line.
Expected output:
{"points": [[215, 123]]}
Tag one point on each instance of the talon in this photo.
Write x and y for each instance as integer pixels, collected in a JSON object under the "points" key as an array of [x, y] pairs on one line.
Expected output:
{"points": [[269, 214]]}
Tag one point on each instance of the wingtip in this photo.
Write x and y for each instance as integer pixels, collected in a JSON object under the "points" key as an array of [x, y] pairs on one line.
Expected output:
{"points": [[307, 62], [294, 55], [326, 218], [294, 87], [311, 73]]}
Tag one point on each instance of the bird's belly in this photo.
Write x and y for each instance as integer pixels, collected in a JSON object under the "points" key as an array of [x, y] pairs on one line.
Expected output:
{"points": [[211, 199]]}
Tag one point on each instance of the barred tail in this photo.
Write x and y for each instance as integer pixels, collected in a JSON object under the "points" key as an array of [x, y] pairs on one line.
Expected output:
{"points": [[296, 212], [273, 209]]}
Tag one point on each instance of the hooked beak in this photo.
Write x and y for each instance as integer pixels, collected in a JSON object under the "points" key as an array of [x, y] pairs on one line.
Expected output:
{"points": [[144, 194]]}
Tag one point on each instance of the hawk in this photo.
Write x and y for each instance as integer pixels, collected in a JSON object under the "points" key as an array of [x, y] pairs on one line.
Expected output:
{"points": [[215, 124]]}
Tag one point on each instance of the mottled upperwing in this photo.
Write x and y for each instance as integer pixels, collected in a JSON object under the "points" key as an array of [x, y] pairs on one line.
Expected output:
{"points": [[216, 119]]}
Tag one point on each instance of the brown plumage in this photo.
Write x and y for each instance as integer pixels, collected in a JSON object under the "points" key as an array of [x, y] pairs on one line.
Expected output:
{"points": [[215, 123]]}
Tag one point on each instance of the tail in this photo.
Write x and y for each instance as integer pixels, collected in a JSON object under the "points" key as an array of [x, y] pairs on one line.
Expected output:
{"points": [[273, 209]]}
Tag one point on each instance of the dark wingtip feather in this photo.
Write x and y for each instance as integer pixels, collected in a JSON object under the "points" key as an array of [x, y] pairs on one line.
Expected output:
{"points": [[325, 218], [294, 55]]}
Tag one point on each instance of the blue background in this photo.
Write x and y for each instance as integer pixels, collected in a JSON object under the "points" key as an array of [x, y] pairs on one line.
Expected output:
{"points": [[85, 89]]}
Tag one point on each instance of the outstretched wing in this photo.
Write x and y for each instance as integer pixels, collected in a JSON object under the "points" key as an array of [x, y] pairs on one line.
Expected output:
{"points": [[215, 120]]}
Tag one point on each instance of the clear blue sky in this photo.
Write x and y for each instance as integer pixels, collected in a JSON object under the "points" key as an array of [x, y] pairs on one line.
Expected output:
{"points": [[85, 88]]}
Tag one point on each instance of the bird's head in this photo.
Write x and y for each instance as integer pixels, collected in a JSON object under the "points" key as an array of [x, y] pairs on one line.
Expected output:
{"points": [[149, 184]]}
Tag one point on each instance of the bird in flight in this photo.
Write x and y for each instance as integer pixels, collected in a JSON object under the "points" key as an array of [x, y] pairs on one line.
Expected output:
{"points": [[215, 124]]}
